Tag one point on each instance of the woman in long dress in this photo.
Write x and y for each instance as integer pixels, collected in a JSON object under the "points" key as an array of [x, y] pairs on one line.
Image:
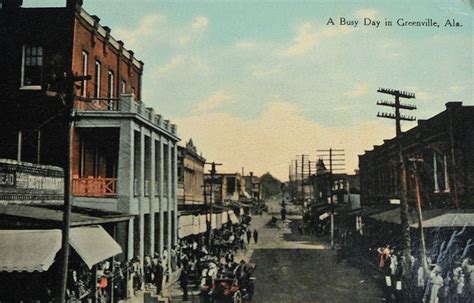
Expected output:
{"points": [[436, 284]]}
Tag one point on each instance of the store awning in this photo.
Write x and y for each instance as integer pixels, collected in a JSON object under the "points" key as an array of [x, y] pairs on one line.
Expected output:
{"points": [[93, 244], [28, 250], [232, 217], [449, 220]]}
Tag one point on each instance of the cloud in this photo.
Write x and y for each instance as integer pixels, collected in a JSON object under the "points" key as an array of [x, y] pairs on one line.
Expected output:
{"points": [[457, 88], [174, 63], [367, 13], [270, 141], [245, 45], [419, 93], [156, 29], [360, 89], [307, 38], [214, 102], [259, 71], [200, 24], [193, 31], [144, 31]]}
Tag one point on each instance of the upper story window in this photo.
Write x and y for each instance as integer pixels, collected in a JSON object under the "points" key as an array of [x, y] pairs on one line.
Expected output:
{"points": [[32, 67], [123, 88], [97, 79], [110, 91], [440, 173], [85, 57]]}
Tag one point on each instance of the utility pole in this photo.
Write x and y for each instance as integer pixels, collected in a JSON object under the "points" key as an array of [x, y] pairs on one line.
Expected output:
{"points": [[403, 171], [420, 214], [397, 106], [333, 155], [209, 222], [65, 90]]}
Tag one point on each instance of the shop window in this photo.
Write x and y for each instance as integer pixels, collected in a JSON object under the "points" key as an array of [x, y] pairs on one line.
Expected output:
{"points": [[32, 67]]}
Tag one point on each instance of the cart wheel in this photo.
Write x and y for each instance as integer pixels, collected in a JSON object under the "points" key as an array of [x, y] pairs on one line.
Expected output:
{"points": [[237, 297]]}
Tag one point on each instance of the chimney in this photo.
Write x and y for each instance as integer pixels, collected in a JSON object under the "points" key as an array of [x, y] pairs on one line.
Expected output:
{"points": [[11, 4], [453, 104], [73, 3]]}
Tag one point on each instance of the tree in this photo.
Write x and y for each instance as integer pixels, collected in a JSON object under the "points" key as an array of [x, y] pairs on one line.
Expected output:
{"points": [[270, 186]]}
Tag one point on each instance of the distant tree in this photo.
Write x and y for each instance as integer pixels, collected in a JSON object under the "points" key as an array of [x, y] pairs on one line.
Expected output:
{"points": [[270, 186]]}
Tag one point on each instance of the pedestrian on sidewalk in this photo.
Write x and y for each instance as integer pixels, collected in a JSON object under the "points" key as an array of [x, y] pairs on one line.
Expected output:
{"points": [[249, 235], [183, 281], [255, 236], [148, 270], [158, 275]]}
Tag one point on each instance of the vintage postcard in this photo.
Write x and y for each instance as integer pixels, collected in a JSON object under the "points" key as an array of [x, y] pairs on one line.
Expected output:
{"points": [[232, 151]]}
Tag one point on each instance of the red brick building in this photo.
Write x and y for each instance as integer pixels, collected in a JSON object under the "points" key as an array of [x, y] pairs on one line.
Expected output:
{"points": [[443, 144], [124, 155], [38, 46]]}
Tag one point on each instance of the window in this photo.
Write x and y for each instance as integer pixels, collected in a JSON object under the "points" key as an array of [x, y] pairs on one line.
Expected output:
{"points": [[32, 67], [440, 173], [97, 80], [110, 91], [124, 87], [84, 73]]}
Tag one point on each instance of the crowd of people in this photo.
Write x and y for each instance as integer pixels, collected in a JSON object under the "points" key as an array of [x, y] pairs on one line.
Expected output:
{"points": [[201, 262], [447, 276], [212, 265]]}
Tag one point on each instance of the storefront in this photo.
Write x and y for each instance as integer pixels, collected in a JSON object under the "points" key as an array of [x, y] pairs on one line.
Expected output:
{"points": [[29, 259], [29, 262]]}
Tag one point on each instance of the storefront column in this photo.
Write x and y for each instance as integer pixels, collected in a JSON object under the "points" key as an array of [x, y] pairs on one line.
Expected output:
{"points": [[152, 194], [141, 195], [170, 206], [175, 193], [162, 225], [130, 239]]}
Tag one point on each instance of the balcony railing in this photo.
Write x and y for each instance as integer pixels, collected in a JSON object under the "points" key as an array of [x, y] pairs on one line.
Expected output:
{"points": [[94, 187], [107, 104], [125, 104]]}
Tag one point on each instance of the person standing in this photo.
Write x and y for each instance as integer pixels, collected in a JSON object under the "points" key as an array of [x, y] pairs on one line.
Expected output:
{"points": [[249, 235], [158, 275], [255, 236], [183, 281], [147, 268], [283, 214]]}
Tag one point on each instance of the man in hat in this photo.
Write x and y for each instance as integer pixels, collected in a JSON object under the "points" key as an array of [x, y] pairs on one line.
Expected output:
{"points": [[158, 274]]}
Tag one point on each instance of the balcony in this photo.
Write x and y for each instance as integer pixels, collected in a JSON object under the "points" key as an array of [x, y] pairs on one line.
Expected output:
{"points": [[94, 187], [125, 105]]}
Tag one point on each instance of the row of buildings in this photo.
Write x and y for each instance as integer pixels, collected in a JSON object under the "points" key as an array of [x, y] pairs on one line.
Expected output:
{"points": [[133, 187], [439, 173]]}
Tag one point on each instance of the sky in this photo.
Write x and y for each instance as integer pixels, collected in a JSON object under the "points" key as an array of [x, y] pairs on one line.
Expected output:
{"points": [[256, 83]]}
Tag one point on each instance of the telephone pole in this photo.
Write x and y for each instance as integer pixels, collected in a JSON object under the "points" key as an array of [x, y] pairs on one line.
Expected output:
{"points": [[64, 89], [397, 106], [213, 172], [332, 155], [403, 171]]}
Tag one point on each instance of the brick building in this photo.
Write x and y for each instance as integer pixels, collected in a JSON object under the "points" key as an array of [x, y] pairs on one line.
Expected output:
{"points": [[124, 155], [444, 144]]}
